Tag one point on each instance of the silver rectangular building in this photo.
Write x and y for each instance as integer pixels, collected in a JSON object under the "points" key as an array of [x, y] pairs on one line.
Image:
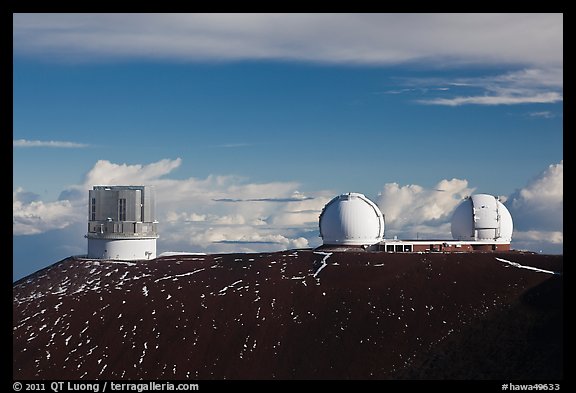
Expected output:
{"points": [[122, 211], [117, 214]]}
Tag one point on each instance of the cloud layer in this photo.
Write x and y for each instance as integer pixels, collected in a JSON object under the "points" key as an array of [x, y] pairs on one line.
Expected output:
{"points": [[333, 38], [56, 144], [525, 86], [229, 214], [218, 213], [538, 208], [30, 217], [412, 211]]}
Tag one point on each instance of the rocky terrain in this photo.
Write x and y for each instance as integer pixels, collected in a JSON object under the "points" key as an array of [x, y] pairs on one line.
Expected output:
{"points": [[298, 314]]}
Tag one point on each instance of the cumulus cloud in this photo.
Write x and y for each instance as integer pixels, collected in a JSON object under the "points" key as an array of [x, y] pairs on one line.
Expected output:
{"points": [[106, 172], [336, 38], [196, 215], [413, 211], [539, 205], [55, 144], [540, 237], [548, 242], [31, 216]]}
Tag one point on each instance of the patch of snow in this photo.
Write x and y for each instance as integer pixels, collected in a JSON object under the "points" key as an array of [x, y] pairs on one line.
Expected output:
{"points": [[103, 368], [172, 253], [229, 286], [122, 263], [60, 290], [526, 267], [324, 264], [180, 275]]}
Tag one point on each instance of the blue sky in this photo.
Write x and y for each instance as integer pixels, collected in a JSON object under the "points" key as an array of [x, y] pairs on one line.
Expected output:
{"points": [[301, 106]]}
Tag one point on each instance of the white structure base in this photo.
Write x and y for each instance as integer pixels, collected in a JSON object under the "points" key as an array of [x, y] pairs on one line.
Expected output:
{"points": [[122, 249]]}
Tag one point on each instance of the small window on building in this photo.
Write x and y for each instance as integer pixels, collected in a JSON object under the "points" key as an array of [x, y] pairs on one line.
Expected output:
{"points": [[398, 248], [390, 248], [93, 210], [407, 247], [122, 209]]}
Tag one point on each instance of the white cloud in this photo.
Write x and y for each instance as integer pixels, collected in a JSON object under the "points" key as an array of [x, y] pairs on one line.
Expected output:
{"points": [[55, 144], [412, 211], [539, 205], [525, 86], [547, 242], [196, 214], [107, 173], [553, 237], [30, 217], [336, 38], [542, 115], [538, 98]]}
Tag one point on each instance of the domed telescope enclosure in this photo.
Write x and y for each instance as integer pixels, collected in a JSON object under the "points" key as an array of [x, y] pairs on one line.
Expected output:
{"points": [[351, 220], [482, 217]]}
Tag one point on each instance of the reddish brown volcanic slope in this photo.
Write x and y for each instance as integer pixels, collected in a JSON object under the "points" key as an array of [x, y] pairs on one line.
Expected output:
{"points": [[294, 314]]}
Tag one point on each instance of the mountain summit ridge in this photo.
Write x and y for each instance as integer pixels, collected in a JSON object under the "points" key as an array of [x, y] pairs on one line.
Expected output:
{"points": [[296, 314]]}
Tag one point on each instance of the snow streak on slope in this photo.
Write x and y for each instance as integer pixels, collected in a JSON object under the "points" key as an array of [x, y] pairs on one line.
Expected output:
{"points": [[324, 264], [526, 267]]}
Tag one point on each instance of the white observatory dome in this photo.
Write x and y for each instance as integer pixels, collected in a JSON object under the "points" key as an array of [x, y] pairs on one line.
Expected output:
{"points": [[482, 217], [351, 219]]}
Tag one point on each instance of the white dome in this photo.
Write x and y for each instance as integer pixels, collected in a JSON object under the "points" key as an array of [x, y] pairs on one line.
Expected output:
{"points": [[351, 219], [482, 217]]}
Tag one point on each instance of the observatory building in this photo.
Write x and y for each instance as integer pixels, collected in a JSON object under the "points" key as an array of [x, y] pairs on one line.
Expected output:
{"points": [[122, 223], [482, 217], [480, 223], [351, 220]]}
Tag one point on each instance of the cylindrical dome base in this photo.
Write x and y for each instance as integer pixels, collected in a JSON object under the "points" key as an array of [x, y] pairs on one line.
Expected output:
{"points": [[122, 249]]}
